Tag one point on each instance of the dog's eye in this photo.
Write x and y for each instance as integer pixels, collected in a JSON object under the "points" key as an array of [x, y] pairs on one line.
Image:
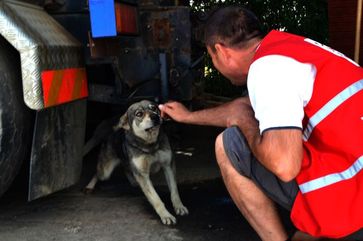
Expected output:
{"points": [[138, 114]]}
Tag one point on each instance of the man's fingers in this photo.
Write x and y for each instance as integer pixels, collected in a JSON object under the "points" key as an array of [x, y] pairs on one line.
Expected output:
{"points": [[166, 106], [162, 109]]}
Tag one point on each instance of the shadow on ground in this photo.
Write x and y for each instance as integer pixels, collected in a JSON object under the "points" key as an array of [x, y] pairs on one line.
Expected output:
{"points": [[117, 211]]}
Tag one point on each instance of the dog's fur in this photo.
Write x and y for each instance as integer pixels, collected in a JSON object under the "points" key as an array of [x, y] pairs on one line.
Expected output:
{"points": [[141, 147]]}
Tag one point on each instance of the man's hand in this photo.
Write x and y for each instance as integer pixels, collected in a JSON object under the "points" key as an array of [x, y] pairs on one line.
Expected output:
{"points": [[175, 110]]}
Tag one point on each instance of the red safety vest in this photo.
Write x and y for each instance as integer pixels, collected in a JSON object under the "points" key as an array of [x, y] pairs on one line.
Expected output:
{"points": [[330, 198]]}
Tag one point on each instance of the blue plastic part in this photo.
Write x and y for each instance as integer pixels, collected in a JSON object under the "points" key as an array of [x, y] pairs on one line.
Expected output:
{"points": [[103, 19]]}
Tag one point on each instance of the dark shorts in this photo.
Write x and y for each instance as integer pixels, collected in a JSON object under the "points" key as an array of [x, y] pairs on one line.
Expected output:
{"points": [[246, 164]]}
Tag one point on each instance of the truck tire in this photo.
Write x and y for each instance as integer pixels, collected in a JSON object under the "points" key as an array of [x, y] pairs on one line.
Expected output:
{"points": [[15, 117]]}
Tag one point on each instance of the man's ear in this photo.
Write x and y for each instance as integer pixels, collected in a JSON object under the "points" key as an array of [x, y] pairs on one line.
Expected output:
{"points": [[222, 52], [123, 123]]}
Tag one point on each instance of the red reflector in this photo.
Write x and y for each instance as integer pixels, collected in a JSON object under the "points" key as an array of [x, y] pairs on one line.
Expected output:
{"points": [[61, 86], [126, 19]]}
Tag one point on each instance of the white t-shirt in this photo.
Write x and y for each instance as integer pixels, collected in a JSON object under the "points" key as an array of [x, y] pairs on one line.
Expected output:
{"points": [[279, 87]]}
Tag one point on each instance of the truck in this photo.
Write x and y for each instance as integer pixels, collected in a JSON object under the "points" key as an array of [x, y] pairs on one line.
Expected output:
{"points": [[60, 60], [63, 62]]}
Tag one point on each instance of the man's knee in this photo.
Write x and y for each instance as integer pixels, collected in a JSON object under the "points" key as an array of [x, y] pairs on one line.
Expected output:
{"points": [[219, 149], [232, 145]]}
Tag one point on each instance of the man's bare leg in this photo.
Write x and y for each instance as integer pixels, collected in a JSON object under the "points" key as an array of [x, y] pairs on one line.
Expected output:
{"points": [[255, 206]]}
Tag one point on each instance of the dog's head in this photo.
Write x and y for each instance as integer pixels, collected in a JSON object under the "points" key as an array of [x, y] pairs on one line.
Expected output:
{"points": [[143, 119]]}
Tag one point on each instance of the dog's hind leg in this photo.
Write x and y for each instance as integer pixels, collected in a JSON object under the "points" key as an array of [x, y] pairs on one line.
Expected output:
{"points": [[154, 199], [91, 185], [104, 171], [107, 162], [179, 208]]}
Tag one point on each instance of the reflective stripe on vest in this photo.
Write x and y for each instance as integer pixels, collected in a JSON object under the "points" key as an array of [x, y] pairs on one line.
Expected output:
{"points": [[331, 106], [332, 178]]}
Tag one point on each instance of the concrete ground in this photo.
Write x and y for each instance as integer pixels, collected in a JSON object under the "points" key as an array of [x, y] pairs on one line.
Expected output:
{"points": [[118, 212]]}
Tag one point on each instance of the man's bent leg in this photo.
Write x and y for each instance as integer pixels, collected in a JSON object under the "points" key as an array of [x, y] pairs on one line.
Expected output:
{"points": [[255, 206]]}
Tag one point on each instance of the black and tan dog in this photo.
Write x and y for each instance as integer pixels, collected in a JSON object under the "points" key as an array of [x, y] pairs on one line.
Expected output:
{"points": [[138, 143]]}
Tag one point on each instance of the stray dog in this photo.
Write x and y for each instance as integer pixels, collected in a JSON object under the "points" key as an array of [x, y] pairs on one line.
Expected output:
{"points": [[138, 143]]}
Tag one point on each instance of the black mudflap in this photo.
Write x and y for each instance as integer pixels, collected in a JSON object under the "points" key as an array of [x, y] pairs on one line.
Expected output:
{"points": [[56, 158]]}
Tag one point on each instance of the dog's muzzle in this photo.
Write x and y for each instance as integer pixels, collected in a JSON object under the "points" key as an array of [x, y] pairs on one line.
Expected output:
{"points": [[156, 119], [156, 122]]}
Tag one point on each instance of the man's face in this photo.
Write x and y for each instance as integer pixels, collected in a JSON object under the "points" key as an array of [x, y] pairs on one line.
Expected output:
{"points": [[227, 68]]}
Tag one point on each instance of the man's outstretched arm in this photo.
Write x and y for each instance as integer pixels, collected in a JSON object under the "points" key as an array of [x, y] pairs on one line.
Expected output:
{"points": [[215, 116], [279, 150]]}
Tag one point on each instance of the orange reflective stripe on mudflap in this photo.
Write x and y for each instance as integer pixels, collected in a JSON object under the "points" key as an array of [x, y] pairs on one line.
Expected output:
{"points": [[60, 86]]}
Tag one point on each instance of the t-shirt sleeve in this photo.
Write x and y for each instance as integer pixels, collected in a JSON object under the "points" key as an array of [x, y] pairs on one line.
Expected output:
{"points": [[279, 87]]}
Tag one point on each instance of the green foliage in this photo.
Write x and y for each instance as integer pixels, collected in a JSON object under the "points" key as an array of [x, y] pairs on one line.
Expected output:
{"points": [[308, 18], [217, 84]]}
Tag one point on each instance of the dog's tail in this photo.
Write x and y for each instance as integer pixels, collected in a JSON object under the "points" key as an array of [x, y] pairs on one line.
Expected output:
{"points": [[101, 133], [91, 143]]}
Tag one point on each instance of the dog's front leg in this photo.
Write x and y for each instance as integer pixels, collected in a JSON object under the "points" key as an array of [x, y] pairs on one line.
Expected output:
{"points": [[150, 193], [179, 208]]}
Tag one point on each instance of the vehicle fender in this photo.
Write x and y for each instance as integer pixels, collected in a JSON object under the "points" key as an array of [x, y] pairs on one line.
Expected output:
{"points": [[52, 61]]}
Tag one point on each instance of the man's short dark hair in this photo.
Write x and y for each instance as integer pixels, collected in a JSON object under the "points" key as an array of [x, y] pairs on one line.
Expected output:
{"points": [[232, 26]]}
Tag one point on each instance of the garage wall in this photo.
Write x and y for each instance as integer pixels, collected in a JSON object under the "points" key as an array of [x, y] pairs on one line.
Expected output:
{"points": [[342, 26]]}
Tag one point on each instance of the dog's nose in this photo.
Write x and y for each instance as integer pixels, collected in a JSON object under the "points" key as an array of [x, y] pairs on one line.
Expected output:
{"points": [[155, 118]]}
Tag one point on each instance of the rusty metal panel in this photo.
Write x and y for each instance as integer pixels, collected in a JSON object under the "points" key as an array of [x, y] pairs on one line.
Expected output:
{"points": [[104, 47], [166, 27], [162, 33], [56, 157], [168, 30]]}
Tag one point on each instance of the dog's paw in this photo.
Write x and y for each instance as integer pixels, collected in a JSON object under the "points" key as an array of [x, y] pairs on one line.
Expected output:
{"points": [[168, 219], [181, 210], [87, 190]]}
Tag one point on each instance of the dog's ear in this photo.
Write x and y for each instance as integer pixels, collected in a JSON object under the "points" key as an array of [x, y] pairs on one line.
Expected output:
{"points": [[123, 123]]}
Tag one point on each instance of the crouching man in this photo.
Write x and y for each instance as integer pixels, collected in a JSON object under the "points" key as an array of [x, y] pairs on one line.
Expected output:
{"points": [[297, 139]]}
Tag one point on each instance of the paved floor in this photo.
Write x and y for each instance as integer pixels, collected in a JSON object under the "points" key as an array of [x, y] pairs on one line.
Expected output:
{"points": [[117, 211]]}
